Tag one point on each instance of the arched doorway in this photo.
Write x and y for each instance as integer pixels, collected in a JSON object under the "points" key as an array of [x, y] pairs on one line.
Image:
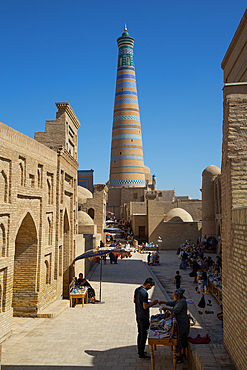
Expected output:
{"points": [[25, 267], [66, 255]]}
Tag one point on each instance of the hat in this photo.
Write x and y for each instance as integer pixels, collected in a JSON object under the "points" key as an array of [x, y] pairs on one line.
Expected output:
{"points": [[179, 292]]}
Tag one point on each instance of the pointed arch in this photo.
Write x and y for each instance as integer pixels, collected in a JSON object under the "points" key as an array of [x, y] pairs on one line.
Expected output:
{"points": [[66, 254], [25, 268]]}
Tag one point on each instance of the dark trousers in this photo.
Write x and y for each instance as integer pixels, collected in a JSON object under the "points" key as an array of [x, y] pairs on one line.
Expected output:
{"points": [[143, 325]]}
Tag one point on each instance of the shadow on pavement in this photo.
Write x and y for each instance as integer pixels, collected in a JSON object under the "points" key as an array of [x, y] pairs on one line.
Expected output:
{"points": [[122, 357]]}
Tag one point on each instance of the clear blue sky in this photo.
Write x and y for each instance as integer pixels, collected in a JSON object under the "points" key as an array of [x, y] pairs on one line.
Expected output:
{"points": [[66, 51]]}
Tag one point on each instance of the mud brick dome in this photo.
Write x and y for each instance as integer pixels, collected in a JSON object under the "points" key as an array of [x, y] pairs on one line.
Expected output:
{"points": [[127, 167]]}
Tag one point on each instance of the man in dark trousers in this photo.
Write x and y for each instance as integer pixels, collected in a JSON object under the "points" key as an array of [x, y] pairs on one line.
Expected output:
{"points": [[142, 314]]}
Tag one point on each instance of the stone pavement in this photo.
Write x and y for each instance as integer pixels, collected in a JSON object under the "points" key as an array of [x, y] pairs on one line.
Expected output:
{"points": [[98, 336]]}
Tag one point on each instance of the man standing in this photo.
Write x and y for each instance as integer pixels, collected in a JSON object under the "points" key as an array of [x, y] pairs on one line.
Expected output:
{"points": [[142, 314]]}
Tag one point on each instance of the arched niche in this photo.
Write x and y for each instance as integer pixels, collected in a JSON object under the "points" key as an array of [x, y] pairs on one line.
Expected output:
{"points": [[66, 254], [24, 300]]}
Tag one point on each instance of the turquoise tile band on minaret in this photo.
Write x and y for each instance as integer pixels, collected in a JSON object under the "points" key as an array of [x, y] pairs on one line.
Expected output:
{"points": [[127, 165]]}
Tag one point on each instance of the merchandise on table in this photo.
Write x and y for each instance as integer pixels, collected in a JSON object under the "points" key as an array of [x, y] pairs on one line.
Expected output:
{"points": [[161, 325], [78, 290], [155, 259]]}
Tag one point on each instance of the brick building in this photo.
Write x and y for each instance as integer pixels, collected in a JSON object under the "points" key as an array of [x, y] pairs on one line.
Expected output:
{"points": [[234, 196], [162, 214], [38, 218]]}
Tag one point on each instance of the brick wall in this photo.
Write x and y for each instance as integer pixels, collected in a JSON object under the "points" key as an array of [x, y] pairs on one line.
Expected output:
{"points": [[234, 290], [38, 223], [234, 230]]}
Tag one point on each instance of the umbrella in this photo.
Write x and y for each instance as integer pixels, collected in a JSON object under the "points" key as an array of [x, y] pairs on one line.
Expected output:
{"points": [[113, 230], [94, 253]]}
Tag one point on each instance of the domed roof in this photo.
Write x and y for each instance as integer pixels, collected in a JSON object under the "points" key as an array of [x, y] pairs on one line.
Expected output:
{"points": [[211, 171], [83, 193], [84, 219], [146, 169], [178, 215]]}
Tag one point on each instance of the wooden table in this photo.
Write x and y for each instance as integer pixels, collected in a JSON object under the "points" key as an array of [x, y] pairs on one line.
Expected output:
{"points": [[172, 341], [149, 249], [82, 295]]}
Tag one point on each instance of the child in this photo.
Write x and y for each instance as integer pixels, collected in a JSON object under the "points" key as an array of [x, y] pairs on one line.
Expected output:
{"points": [[204, 278], [178, 280]]}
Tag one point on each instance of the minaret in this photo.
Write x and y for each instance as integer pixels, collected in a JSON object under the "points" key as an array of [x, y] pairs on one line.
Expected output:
{"points": [[127, 167]]}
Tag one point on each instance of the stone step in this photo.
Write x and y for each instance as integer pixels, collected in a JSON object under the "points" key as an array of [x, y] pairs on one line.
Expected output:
{"points": [[54, 309]]}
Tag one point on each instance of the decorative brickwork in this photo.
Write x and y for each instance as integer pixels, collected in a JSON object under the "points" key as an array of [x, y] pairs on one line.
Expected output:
{"points": [[126, 150], [38, 189]]}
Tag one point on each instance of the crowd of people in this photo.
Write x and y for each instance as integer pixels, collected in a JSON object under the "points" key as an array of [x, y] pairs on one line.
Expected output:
{"points": [[193, 256]]}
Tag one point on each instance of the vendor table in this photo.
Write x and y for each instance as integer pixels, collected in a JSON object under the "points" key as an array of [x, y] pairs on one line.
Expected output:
{"points": [[147, 248], [83, 293], [171, 341], [215, 291]]}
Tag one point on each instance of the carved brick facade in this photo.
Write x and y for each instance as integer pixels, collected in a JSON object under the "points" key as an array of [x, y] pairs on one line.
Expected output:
{"points": [[38, 217]]}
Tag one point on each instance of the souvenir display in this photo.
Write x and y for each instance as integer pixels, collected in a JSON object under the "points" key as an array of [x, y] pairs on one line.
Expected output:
{"points": [[161, 325], [155, 259]]}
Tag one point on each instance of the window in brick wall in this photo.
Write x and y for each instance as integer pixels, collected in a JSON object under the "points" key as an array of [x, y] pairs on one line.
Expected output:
{"points": [[48, 268], [32, 180], [60, 260], [91, 212], [3, 279], [135, 195], [4, 183], [49, 188], [40, 176], [22, 169], [49, 220], [62, 186], [61, 223], [2, 241], [48, 191]]}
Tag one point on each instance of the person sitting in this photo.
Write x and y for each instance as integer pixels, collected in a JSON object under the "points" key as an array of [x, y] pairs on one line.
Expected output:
{"points": [[91, 293]]}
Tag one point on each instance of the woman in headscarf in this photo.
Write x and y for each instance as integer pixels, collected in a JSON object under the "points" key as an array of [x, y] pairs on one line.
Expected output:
{"points": [[178, 307], [83, 282]]}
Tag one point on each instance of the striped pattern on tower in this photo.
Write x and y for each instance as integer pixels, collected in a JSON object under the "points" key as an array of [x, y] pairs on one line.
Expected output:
{"points": [[127, 166]]}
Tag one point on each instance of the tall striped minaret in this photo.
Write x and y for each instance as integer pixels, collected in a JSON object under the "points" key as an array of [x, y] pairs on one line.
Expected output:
{"points": [[127, 167]]}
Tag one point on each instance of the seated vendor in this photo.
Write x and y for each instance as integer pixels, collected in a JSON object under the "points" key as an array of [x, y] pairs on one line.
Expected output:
{"points": [[91, 293]]}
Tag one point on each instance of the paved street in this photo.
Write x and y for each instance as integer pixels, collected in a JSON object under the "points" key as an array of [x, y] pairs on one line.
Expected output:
{"points": [[98, 336]]}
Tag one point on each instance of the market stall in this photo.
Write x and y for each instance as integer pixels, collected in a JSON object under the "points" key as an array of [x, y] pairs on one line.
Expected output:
{"points": [[146, 247], [163, 331], [215, 287], [77, 292]]}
